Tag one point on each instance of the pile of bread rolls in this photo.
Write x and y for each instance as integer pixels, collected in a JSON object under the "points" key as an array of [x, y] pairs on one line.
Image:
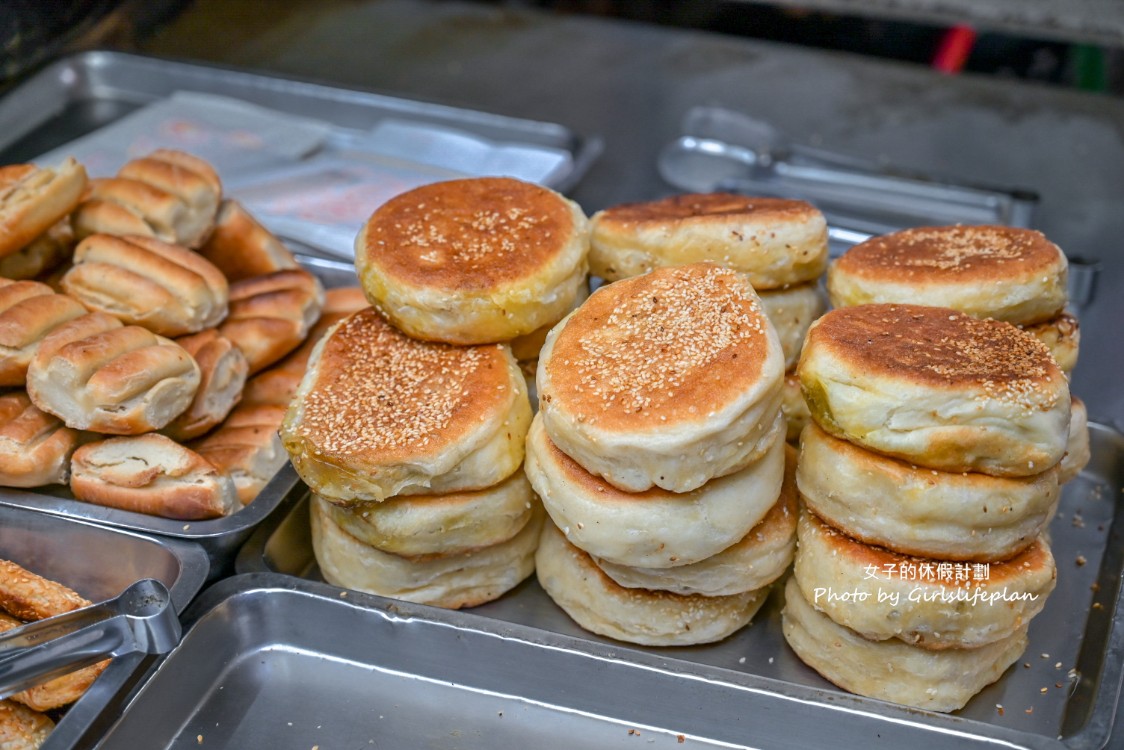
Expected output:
{"points": [[127, 354], [410, 422]]}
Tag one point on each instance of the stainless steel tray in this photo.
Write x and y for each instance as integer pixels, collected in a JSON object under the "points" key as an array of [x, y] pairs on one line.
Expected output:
{"points": [[99, 563], [747, 691]]}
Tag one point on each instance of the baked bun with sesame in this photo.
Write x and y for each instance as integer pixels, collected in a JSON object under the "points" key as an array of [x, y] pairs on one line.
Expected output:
{"points": [[669, 379], [653, 528], [1062, 336], [380, 414], [754, 561], [165, 288], [920, 511], [893, 670], [151, 474], [452, 580], [526, 348], [774, 241], [920, 600], [1000, 272], [473, 261], [271, 315], [29, 311], [242, 248], [97, 374], [1077, 452], [937, 388], [440, 524], [33, 199], [648, 617], [35, 446], [792, 311]]}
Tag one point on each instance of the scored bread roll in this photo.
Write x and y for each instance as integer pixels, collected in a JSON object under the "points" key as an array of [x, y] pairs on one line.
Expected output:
{"points": [[123, 207], [791, 311], [756, 560], [1006, 273], [937, 388], [668, 379], [1062, 336], [440, 524], [246, 448], [453, 581], [33, 199], [380, 414], [651, 618], [151, 474], [881, 594], [893, 670], [97, 374], [223, 370], [35, 447], [29, 311], [654, 528], [190, 179], [45, 253], [1077, 451], [919, 511], [271, 315], [473, 261], [242, 248], [776, 242], [165, 288]]}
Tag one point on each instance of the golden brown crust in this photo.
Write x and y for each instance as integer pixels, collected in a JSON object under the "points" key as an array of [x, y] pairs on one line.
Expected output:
{"points": [[471, 234], [22, 728], [246, 448], [965, 254], [45, 253], [936, 346], [702, 207], [670, 346], [271, 315], [378, 396], [30, 597], [29, 311], [223, 370], [242, 248], [32, 200], [35, 446]]}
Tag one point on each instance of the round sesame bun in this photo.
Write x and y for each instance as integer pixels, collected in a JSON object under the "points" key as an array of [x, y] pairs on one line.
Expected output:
{"points": [[937, 388], [651, 618], [930, 603], [668, 379], [380, 414], [1077, 453], [1062, 336], [455, 580], [440, 524], [473, 261], [653, 528], [756, 560], [1006, 273], [794, 407], [792, 311], [919, 511], [776, 242], [892, 670]]}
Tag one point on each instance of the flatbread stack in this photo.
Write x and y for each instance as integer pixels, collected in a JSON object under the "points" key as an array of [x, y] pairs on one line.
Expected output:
{"points": [[928, 475], [659, 453]]}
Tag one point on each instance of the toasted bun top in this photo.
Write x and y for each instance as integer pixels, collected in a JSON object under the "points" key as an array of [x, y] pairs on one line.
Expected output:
{"points": [[937, 347], [705, 208], [467, 234], [960, 254], [381, 396], [672, 345]]}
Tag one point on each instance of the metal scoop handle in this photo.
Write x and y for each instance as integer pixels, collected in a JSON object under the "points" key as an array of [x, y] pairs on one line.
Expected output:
{"points": [[140, 620]]}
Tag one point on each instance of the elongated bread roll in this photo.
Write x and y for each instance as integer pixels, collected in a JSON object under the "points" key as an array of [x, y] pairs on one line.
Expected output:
{"points": [[242, 248], [33, 199], [223, 370]]}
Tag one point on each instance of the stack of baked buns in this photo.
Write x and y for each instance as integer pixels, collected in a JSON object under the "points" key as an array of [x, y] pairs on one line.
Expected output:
{"points": [[780, 244], [1005, 273], [409, 424], [928, 475], [659, 453], [128, 353]]}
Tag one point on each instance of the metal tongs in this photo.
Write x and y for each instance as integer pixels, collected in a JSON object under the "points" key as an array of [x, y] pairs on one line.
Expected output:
{"points": [[726, 150], [140, 620]]}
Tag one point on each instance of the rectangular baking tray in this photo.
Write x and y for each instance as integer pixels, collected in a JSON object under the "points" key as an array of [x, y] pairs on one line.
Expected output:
{"points": [[99, 563], [80, 93], [749, 690]]}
